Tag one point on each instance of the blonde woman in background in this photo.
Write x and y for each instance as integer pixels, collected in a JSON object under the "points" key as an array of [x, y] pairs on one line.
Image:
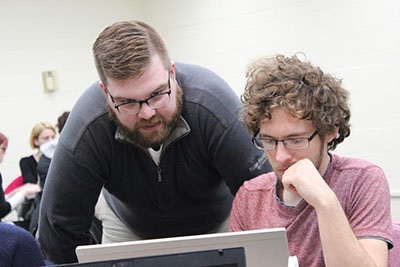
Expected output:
{"points": [[42, 133]]}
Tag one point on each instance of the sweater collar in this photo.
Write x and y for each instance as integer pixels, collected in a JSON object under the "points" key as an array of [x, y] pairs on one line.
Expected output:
{"points": [[182, 129]]}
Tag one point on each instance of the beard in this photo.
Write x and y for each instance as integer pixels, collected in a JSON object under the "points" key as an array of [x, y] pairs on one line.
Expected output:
{"points": [[318, 161], [157, 138]]}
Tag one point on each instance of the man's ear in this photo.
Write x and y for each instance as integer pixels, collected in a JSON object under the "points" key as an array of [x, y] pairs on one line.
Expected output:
{"points": [[103, 88], [332, 136], [172, 70]]}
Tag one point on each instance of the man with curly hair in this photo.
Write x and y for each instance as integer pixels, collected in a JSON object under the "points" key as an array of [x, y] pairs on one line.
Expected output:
{"points": [[336, 210]]}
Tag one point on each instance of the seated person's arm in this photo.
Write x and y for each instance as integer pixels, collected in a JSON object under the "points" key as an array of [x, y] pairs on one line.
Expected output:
{"points": [[17, 196], [339, 243]]}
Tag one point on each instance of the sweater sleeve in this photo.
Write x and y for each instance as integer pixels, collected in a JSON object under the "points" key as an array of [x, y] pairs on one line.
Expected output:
{"points": [[5, 207], [28, 166], [15, 200], [18, 247], [62, 226]]}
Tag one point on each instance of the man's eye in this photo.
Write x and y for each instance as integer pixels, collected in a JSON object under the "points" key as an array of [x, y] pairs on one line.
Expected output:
{"points": [[268, 141], [297, 141], [156, 93], [124, 101]]}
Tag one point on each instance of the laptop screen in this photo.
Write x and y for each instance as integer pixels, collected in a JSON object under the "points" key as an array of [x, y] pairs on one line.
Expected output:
{"points": [[230, 257], [263, 247]]}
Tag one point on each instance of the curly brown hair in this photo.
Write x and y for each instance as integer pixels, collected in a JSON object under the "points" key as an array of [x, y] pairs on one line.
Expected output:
{"points": [[124, 49], [305, 91]]}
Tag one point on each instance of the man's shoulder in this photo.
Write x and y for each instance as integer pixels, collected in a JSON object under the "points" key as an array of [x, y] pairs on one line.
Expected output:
{"points": [[206, 91], [263, 182], [354, 171], [27, 160], [348, 163], [89, 111], [90, 105], [197, 81]]}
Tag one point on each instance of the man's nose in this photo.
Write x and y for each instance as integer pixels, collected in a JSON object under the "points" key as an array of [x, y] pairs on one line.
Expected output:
{"points": [[282, 154], [146, 112]]}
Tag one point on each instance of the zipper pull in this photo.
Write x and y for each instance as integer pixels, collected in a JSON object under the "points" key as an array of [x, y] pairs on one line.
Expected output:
{"points": [[159, 174]]}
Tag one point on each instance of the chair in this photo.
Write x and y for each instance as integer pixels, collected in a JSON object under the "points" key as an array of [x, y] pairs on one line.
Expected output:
{"points": [[17, 182]]}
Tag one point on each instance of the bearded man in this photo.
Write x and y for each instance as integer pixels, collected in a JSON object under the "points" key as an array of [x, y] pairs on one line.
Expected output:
{"points": [[157, 145]]}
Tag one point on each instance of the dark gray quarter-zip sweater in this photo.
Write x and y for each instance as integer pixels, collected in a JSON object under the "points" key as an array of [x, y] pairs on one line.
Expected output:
{"points": [[202, 165]]}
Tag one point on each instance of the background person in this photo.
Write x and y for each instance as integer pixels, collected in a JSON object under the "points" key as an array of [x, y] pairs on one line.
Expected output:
{"points": [[43, 165], [15, 198], [336, 210], [162, 138], [41, 133]]}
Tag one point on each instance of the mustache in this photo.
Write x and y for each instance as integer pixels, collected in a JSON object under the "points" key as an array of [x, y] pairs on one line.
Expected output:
{"points": [[152, 121]]}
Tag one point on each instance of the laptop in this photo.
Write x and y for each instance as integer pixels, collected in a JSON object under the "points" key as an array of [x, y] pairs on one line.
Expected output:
{"points": [[265, 247], [231, 257]]}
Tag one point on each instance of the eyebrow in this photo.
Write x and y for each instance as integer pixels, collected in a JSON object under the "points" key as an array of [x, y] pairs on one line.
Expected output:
{"points": [[160, 87], [290, 136]]}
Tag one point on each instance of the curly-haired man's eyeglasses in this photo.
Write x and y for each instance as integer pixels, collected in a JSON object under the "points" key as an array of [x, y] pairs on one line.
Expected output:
{"points": [[292, 144]]}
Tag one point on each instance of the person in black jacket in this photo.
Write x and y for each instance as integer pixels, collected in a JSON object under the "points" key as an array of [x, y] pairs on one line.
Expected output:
{"points": [[47, 150], [15, 198], [41, 133], [157, 144]]}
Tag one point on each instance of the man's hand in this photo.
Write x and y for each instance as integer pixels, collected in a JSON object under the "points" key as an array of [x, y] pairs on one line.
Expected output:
{"points": [[303, 178]]}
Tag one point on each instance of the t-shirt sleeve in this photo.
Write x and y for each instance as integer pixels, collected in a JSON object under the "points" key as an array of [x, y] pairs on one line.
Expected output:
{"points": [[369, 213]]}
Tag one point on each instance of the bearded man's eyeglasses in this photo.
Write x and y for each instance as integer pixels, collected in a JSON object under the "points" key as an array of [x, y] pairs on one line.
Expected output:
{"points": [[132, 106]]}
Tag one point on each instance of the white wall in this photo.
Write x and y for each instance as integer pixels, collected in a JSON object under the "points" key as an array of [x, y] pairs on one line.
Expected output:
{"points": [[46, 35], [358, 40]]}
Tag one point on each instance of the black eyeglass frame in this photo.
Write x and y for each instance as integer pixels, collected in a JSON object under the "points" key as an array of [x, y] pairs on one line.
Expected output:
{"points": [[140, 102], [260, 147]]}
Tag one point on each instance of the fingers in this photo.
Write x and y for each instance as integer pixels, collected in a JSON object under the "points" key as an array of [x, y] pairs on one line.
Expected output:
{"points": [[30, 190], [303, 179]]}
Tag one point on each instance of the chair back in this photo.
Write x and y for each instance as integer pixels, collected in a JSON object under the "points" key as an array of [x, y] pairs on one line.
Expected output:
{"points": [[17, 182]]}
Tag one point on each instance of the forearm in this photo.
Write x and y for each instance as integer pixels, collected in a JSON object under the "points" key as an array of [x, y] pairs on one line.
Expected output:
{"points": [[339, 244], [57, 246], [66, 212], [16, 199]]}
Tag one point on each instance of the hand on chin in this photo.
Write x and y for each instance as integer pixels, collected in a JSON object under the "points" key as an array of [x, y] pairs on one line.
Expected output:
{"points": [[289, 196]]}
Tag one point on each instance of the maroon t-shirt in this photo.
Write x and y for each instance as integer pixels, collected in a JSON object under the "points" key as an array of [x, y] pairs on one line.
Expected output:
{"points": [[360, 186]]}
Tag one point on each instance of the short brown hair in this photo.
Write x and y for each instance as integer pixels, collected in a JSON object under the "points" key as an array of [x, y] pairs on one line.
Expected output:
{"points": [[305, 91], [61, 120], [124, 49]]}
